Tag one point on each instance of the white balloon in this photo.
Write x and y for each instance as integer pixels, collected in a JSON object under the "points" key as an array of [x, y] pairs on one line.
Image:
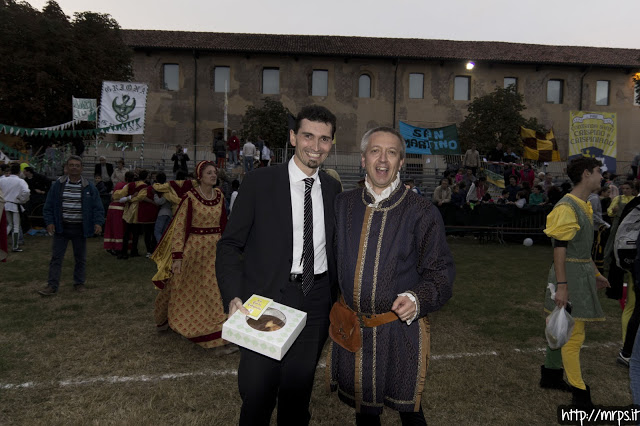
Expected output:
{"points": [[528, 242]]}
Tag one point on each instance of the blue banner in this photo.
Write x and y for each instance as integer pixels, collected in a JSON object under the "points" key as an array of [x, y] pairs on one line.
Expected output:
{"points": [[438, 141]]}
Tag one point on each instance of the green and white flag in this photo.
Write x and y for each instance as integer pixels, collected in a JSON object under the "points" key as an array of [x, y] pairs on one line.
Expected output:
{"points": [[123, 102], [84, 109]]}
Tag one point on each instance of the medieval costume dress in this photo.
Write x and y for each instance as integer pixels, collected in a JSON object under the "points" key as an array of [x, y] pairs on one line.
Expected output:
{"points": [[140, 214], [395, 246], [190, 302], [114, 226]]}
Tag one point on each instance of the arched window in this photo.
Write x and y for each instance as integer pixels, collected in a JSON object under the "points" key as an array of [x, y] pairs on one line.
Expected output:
{"points": [[364, 86]]}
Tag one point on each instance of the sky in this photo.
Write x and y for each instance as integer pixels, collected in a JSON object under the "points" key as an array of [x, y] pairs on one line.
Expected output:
{"points": [[610, 23]]}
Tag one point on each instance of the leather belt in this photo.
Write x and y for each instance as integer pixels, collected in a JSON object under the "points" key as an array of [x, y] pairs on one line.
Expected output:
{"points": [[298, 277], [371, 320]]}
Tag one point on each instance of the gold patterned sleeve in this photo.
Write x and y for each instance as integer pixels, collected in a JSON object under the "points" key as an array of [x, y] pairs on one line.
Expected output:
{"points": [[562, 223], [121, 192], [182, 223]]}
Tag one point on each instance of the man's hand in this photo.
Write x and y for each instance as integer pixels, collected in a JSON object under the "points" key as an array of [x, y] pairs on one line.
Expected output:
{"points": [[236, 304], [176, 267], [562, 295], [602, 282], [404, 308], [51, 229], [97, 229]]}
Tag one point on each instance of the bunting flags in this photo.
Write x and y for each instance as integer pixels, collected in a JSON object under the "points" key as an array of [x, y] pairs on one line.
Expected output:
{"points": [[59, 131], [538, 146]]}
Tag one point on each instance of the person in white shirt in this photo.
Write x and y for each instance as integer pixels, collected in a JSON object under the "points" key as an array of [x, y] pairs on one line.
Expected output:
{"points": [[248, 153], [16, 193]]}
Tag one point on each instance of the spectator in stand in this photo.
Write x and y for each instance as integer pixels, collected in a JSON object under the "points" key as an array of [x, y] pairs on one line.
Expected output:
{"points": [[469, 178], [459, 195], [537, 197], [442, 193], [119, 172], [459, 175], [180, 159], [608, 179], [105, 170], [513, 188], [496, 155], [510, 156], [511, 171], [548, 183], [471, 159], [521, 199], [527, 174], [554, 195], [220, 150], [233, 144], [411, 185], [249, 155], [477, 190], [504, 197]]}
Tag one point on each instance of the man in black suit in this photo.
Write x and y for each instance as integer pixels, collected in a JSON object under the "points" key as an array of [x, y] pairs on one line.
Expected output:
{"points": [[105, 170], [262, 252]]}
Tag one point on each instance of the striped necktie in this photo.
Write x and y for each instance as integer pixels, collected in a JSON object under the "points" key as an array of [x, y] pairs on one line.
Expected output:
{"points": [[307, 241]]}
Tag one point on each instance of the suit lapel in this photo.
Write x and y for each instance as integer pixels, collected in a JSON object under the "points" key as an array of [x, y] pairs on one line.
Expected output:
{"points": [[327, 200], [282, 197]]}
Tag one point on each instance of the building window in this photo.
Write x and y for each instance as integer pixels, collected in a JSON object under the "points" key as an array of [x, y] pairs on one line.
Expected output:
{"points": [[636, 94], [416, 86], [554, 91], [461, 88], [364, 86], [320, 83], [511, 81], [221, 79], [170, 76], [270, 81], [602, 92]]}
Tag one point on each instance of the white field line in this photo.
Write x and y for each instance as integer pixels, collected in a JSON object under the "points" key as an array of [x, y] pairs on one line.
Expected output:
{"points": [[233, 372]]}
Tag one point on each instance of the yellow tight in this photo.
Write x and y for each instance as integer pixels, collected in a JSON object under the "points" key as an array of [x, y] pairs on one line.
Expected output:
{"points": [[571, 356], [629, 306]]}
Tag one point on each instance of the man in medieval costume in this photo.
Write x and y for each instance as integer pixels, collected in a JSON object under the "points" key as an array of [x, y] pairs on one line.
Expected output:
{"points": [[394, 267]]}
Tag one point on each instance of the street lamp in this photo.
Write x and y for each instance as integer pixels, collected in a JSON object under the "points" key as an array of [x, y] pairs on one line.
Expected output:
{"points": [[470, 65]]}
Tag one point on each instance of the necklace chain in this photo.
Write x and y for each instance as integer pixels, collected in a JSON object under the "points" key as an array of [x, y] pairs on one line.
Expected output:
{"points": [[213, 192]]}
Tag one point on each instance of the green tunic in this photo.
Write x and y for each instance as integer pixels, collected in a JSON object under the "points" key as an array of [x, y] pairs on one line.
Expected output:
{"points": [[581, 278]]}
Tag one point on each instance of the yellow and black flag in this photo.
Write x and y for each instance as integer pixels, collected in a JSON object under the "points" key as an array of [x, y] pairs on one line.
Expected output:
{"points": [[538, 146]]}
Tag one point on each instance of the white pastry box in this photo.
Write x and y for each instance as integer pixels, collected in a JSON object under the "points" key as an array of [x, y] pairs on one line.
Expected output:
{"points": [[271, 335]]}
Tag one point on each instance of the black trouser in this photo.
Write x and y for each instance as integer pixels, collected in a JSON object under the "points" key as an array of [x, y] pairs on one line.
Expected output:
{"points": [[263, 381], [134, 230], [407, 419], [149, 239]]}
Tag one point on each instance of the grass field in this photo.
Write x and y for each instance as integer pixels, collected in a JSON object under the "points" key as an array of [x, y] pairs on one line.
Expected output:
{"points": [[96, 358]]}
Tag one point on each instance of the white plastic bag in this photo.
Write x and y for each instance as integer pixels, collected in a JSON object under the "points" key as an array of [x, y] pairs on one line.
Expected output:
{"points": [[559, 328]]}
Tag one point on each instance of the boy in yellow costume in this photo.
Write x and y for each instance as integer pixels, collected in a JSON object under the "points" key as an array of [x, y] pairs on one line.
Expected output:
{"points": [[570, 225]]}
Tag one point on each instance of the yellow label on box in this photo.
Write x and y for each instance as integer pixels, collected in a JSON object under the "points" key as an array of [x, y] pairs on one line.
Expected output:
{"points": [[256, 305]]}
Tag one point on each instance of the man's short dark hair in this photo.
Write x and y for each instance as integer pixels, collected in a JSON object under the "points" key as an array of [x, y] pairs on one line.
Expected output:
{"points": [[161, 177], [14, 168], [578, 165], [73, 157], [142, 174], [316, 113], [29, 169], [505, 192]]}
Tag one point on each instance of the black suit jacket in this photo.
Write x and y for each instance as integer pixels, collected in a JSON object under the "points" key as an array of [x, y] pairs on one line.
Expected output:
{"points": [[254, 254], [97, 170]]}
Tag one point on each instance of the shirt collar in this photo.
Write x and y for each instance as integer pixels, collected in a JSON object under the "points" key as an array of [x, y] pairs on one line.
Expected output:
{"points": [[377, 199], [297, 175]]}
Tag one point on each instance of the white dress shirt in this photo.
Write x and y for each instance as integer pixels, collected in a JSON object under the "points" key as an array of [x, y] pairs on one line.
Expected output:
{"points": [[16, 192], [296, 186]]}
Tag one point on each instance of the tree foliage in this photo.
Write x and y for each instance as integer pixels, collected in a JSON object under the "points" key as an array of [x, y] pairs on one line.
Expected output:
{"points": [[496, 117], [48, 58], [269, 122]]}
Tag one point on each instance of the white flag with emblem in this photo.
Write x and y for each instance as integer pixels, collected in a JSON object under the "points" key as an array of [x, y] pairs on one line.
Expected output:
{"points": [[123, 102]]}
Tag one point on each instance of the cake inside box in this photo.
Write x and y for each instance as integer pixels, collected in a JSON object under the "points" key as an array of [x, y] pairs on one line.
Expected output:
{"points": [[271, 320]]}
